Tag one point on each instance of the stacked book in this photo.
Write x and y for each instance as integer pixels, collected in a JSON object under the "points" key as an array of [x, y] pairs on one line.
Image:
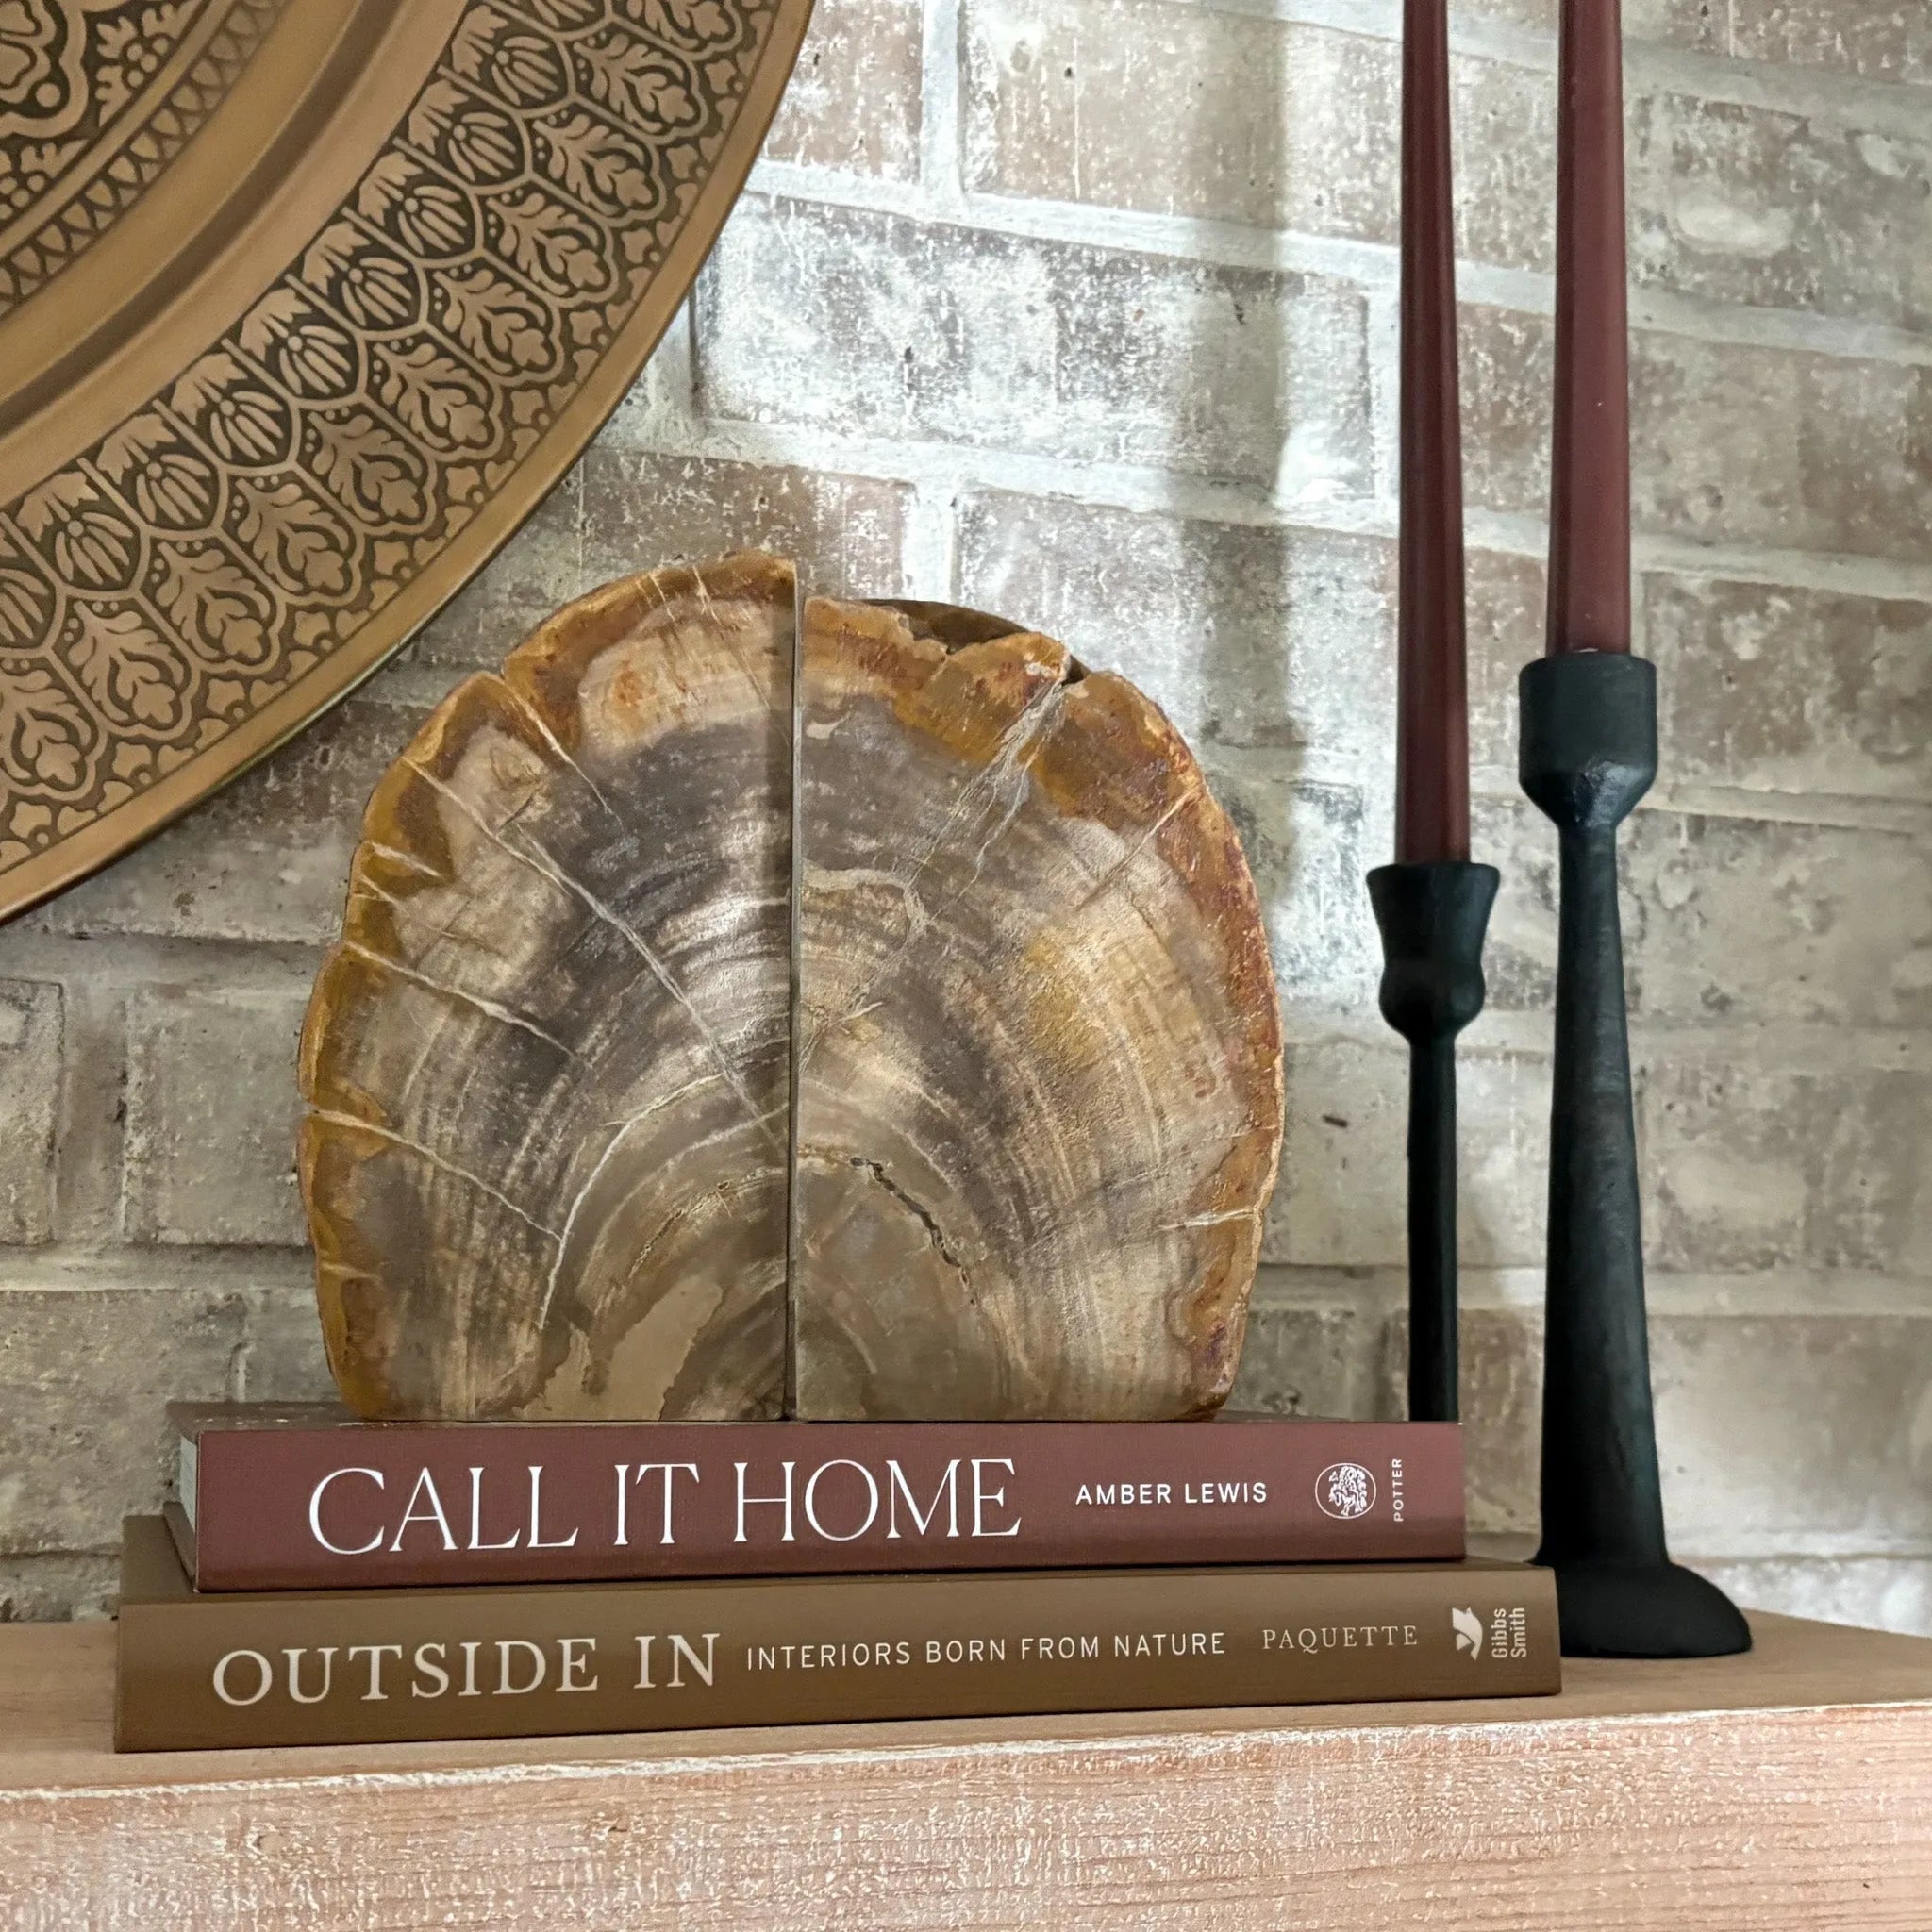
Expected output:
{"points": [[323, 1580]]}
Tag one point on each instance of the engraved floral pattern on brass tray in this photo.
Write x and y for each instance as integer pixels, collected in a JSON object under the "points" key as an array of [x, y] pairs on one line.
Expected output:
{"points": [[191, 568], [97, 97]]}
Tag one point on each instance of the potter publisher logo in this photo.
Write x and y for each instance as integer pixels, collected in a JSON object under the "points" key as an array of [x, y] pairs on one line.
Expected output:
{"points": [[1468, 1631], [1345, 1491]]}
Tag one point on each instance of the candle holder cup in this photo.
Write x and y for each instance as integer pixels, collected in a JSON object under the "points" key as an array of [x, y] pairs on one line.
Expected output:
{"points": [[1432, 916], [1588, 753]]}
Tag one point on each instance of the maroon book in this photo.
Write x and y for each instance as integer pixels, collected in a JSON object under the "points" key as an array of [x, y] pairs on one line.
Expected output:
{"points": [[309, 1498]]}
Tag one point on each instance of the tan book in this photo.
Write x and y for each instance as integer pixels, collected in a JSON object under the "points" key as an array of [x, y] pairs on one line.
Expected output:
{"points": [[380, 1666]]}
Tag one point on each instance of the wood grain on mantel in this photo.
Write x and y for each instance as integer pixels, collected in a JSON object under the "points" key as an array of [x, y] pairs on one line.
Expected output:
{"points": [[1789, 1789]]}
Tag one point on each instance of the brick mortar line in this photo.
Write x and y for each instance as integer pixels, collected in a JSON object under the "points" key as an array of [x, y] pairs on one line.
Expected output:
{"points": [[1814, 811], [1813, 1547], [942, 125], [1282, 1287], [929, 569], [1790, 1046], [1805, 1549], [1493, 1288], [1310, 767], [1148, 489], [1852, 103], [1523, 1032], [1663, 553], [1640, 619], [1739, 324], [679, 429], [1371, 266], [928, 545], [231, 968], [162, 963], [1798, 1047], [1774, 1545], [72, 1268], [1382, 343], [1651, 67], [667, 390]]}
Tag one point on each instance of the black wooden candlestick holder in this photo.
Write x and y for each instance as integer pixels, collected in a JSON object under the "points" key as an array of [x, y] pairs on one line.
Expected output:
{"points": [[1432, 916], [1588, 753]]}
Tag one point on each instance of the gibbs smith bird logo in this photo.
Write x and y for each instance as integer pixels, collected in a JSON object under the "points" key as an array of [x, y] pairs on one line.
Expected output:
{"points": [[1468, 1631]]}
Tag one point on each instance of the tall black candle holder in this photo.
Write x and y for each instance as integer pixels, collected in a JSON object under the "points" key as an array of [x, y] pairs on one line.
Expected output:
{"points": [[1588, 753], [1432, 916]]}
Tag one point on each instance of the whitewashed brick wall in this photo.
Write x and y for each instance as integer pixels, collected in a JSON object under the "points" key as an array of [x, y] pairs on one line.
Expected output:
{"points": [[1084, 312]]}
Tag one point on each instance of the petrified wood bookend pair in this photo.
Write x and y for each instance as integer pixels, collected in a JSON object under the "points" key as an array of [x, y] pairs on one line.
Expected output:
{"points": [[742, 1005]]}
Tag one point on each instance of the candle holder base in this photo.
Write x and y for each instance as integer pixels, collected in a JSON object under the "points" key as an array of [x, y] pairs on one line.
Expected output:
{"points": [[1657, 1609], [1432, 916]]}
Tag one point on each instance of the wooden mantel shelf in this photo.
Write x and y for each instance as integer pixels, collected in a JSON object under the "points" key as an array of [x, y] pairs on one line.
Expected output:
{"points": [[1789, 1789]]}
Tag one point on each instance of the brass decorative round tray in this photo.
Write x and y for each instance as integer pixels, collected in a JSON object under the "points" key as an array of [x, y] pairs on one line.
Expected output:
{"points": [[304, 304]]}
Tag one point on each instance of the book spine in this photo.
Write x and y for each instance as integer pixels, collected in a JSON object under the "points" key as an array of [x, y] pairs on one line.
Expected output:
{"points": [[386, 1505], [390, 1666]]}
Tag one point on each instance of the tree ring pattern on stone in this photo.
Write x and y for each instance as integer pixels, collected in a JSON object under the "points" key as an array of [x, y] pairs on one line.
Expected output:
{"points": [[747, 1006]]}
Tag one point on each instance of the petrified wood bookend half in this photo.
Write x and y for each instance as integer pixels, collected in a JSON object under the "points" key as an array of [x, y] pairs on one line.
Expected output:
{"points": [[635, 1091]]}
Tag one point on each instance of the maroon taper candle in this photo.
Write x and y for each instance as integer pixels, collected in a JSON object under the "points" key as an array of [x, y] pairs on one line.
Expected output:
{"points": [[1432, 905], [1432, 684], [1589, 455]]}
